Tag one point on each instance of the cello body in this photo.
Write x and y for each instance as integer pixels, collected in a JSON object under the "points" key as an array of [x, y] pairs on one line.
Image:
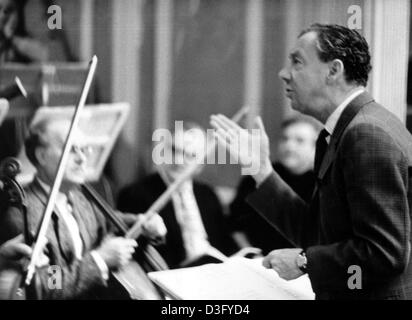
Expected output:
{"points": [[136, 284], [131, 281], [11, 284]]}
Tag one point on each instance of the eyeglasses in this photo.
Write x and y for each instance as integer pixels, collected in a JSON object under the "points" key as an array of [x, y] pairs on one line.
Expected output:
{"points": [[86, 150]]}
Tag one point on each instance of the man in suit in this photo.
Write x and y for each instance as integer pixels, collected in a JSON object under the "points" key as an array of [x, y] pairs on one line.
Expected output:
{"points": [[78, 245], [194, 217], [358, 222]]}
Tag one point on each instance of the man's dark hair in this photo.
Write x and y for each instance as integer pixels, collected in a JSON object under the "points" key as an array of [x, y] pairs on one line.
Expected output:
{"points": [[338, 42]]}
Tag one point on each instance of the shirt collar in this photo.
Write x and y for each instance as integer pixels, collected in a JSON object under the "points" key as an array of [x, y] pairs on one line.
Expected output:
{"points": [[43, 184], [61, 197], [330, 124]]}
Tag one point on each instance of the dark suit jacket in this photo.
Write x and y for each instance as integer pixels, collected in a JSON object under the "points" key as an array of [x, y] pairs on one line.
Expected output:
{"points": [[138, 197], [360, 213], [80, 278]]}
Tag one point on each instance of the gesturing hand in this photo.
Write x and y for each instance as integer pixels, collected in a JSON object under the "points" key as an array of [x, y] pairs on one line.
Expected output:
{"points": [[249, 147]]}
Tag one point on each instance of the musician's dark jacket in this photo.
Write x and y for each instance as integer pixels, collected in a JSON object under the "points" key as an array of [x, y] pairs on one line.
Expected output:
{"points": [[80, 278], [244, 218], [360, 214], [139, 196]]}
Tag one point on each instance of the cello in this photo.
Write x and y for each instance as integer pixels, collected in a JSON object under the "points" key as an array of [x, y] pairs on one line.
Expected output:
{"points": [[17, 288], [133, 282], [12, 195]]}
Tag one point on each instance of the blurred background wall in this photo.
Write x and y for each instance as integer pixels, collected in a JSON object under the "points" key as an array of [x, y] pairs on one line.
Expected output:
{"points": [[187, 59]]}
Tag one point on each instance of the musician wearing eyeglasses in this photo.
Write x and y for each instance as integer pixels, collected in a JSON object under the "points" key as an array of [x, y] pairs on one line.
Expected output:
{"points": [[79, 241]]}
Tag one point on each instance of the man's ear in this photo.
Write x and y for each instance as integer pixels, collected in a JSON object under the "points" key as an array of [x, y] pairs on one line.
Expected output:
{"points": [[336, 70], [41, 157]]}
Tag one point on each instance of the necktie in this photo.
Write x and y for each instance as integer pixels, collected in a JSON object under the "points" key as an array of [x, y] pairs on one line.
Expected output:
{"points": [[321, 146]]}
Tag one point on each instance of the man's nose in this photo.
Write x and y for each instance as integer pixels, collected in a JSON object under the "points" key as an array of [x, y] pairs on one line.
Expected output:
{"points": [[80, 156], [284, 74], [290, 144]]}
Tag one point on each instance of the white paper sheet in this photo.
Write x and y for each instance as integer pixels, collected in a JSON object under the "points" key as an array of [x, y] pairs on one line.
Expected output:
{"points": [[236, 279]]}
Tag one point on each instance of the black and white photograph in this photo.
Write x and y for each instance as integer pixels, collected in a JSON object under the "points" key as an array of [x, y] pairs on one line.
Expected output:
{"points": [[212, 152]]}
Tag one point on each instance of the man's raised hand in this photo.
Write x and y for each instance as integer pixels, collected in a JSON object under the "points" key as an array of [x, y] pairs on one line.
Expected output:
{"points": [[249, 147]]}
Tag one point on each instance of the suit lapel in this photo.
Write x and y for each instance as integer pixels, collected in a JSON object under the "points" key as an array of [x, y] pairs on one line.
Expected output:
{"points": [[347, 115], [39, 192]]}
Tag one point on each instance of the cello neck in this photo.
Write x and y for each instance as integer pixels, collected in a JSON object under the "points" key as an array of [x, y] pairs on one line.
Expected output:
{"points": [[105, 208], [151, 256]]}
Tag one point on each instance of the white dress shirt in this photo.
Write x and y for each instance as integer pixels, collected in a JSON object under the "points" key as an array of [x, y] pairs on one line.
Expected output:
{"points": [[331, 122]]}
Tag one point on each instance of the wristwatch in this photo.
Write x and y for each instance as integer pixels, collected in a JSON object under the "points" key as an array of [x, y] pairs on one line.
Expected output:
{"points": [[302, 261]]}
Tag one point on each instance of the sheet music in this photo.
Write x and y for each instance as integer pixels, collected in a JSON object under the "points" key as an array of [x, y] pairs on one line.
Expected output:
{"points": [[236, 279]]}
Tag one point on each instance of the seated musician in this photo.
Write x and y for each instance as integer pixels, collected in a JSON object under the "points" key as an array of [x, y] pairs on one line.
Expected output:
{"points": [[78, 240], [194, 217]]}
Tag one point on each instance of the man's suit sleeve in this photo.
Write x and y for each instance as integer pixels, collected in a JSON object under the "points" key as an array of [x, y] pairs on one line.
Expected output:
{"points": [[375, 171], [275, 200]]}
